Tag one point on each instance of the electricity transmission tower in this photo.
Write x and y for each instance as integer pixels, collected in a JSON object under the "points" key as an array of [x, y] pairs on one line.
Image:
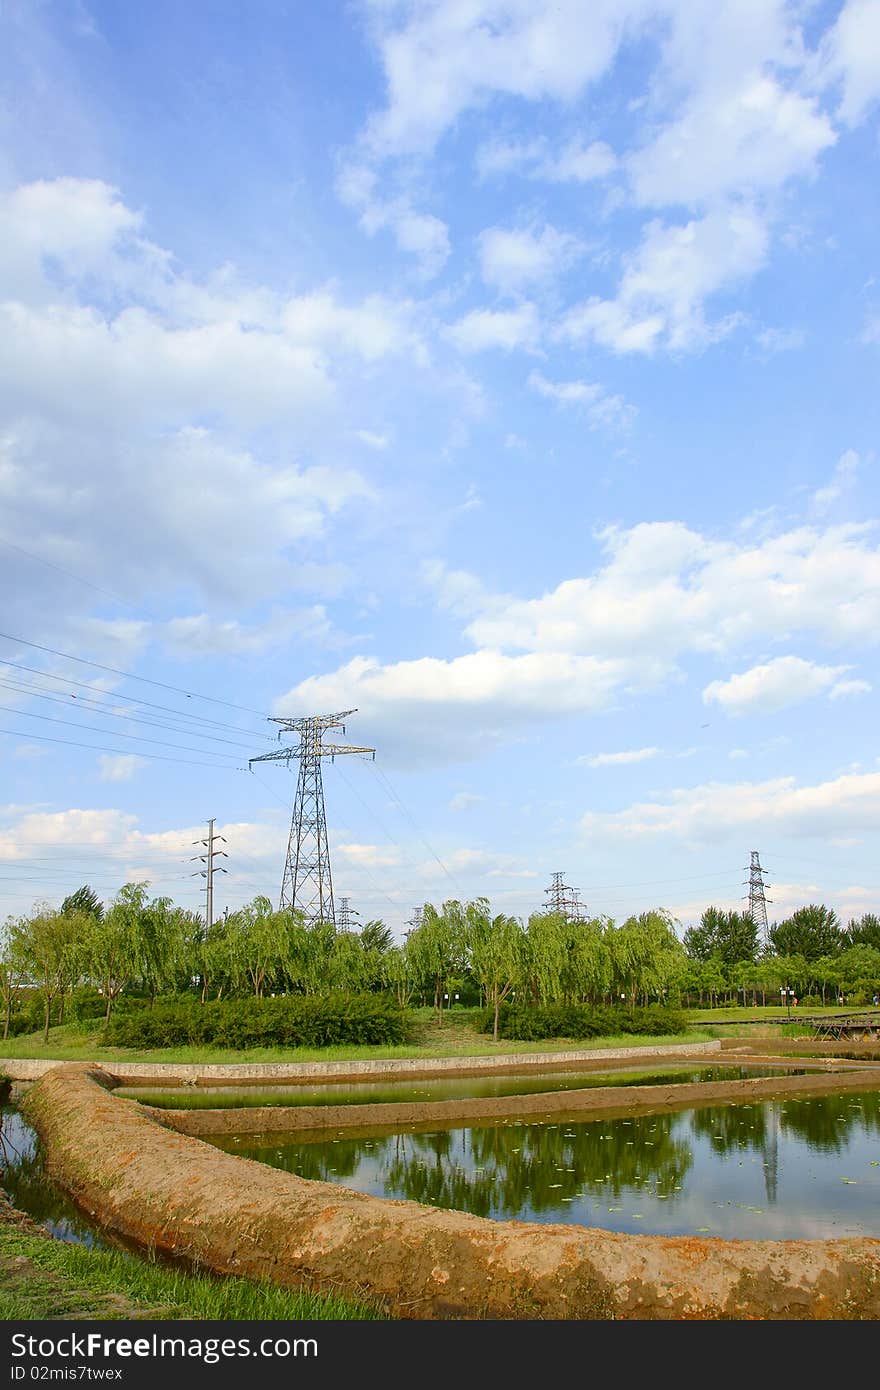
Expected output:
{"points": [[345, 915], [757, 901], [210, 869], [307, 885], [563, 898], [415, 921]]}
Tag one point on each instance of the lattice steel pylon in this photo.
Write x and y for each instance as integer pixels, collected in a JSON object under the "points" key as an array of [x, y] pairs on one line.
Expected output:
{"points": [[563, 898], [757, 900], [307, 885]]}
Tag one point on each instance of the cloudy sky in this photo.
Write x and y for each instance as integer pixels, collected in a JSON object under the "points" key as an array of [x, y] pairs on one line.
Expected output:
{"points": [[506, 370]]}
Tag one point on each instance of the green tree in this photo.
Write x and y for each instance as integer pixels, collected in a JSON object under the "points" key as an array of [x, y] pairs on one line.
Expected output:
{"points": [[646, 955], [84, 900], [13, 967], [52, 948], [811, 932], [859, 969], [114, 943], [436, 949], [731, 936], [497, 954], [864, 931]]}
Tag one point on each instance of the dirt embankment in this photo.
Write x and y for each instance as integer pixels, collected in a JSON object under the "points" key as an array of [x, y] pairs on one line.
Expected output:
{"points": [[177, 1194]]}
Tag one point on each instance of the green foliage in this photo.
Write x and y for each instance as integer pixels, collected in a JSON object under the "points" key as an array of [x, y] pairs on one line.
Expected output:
{"points": [[730, 937], [287, 1021], [810, 932], [864, 931], [532, 1024], [84, 900]]}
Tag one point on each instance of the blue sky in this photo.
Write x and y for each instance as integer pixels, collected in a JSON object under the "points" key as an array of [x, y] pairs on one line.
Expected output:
{"points": [[504, 370]]}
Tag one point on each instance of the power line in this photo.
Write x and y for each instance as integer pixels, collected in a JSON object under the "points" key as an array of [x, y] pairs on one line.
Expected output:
{"points": [[99, 748], [395, 798], [129, 675], [89, 706], [69, 574], [133, 699], [114, 733]]}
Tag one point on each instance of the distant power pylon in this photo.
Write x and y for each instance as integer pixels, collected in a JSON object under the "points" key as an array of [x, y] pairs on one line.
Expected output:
{"points": [[210, 869], [563, 898], [757, 901], [345, 914], [307, 885], [415, 921]]}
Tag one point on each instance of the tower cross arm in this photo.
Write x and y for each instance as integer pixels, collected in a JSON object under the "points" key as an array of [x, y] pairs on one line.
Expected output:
{"points": [[333, 748]]}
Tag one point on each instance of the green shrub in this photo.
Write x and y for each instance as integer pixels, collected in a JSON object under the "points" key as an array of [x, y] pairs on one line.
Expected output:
{"points": [[326, 1020], [531, 1024]]}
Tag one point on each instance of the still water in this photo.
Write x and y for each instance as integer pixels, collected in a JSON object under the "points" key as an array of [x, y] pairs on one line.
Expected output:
{"points": [[796, 1169], [451, 1088], [23, 1177]]}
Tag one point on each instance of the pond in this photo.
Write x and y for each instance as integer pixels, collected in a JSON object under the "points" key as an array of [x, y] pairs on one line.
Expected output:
{"points": [[805, 1168], [444, 1088]]}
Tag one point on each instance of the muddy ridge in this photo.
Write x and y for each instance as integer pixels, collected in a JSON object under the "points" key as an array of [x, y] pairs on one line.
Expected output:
{"points": [[174, 1193]]}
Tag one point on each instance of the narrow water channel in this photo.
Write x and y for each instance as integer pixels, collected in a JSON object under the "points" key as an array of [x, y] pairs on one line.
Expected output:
{"points": [[804, 1168], [443, 1088]]}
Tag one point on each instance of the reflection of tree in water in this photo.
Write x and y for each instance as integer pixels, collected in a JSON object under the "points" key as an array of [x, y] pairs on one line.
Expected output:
{"points": [[506, 1169], [829, 1123], [23, 1176], [322, 1162]]}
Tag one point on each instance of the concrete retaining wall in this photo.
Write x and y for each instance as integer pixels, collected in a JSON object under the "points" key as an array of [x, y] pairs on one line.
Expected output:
{"points": [[177, 1194], [30, 1069]]}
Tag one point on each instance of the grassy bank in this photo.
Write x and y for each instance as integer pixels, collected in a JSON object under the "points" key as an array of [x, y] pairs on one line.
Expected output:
{"points": [[48, 1279], [458, 1037]]}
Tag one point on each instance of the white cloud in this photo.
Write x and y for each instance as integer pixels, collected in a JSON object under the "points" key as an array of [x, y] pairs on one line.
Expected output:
{"points": [[664, 593], [600, 407], [199, 634], [849, 59], [432, 707], [121, 768], [365, 856], [776, 685], [463, 801], [842, 481], [781, 339], [484, 329], [665, 590], [441, 59], [420, 234], [578, 161], [630, 755], [511, 259], [716, 810], [745, 139], [665, 283], [372, 439], [843, 689]]}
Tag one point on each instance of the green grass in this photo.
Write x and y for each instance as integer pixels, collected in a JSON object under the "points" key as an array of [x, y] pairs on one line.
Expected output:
{"points": [[456, 1038], [50, 1279]]}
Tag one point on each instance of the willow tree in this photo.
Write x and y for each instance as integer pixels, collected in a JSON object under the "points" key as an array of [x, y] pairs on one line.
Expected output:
{"points": [[497, 954], [436, 949], [647, 956], [13, 967], [52, 947], [569, 957], [114, 942]]}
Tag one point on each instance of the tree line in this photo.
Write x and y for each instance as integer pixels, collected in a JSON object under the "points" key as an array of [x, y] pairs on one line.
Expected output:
{"points": [[143, 947]]}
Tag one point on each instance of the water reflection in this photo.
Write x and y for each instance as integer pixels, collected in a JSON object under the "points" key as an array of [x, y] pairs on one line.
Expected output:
{"points": [[803, 1168], [446, 1088], [23, 1176]]}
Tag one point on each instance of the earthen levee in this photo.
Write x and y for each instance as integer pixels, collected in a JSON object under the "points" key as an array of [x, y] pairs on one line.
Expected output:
{"points": [[179, 1195]]}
